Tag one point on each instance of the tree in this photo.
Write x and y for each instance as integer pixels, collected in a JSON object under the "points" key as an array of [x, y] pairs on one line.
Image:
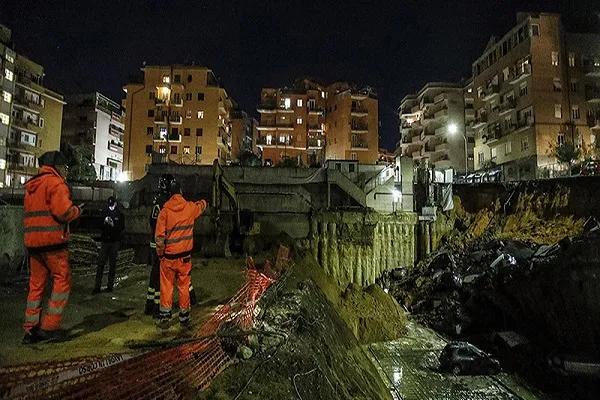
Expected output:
{"points": [[566, 153], [81, 162]]}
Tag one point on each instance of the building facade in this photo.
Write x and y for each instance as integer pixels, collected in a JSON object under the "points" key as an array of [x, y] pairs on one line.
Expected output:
{"points": [[352, 123], [93, 121], [244, 134], [35, 122], [7, 85], [535, 88], [175, 114], [432, 126], [310, 123]]}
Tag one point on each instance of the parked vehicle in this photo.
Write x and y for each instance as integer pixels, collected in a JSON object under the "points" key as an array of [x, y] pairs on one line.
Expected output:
{"points": [[590, 168], [464, 358]]}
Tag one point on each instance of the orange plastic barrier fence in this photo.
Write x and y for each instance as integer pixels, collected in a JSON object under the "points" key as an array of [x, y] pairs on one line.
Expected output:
{"points": [[161, 374]]}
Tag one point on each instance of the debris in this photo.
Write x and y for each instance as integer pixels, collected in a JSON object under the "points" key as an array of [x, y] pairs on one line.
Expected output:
{"points": [[244, 352]]}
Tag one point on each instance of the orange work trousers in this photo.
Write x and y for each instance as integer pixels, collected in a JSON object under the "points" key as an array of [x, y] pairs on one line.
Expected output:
{"points": [[170, 270], [42, 265]]}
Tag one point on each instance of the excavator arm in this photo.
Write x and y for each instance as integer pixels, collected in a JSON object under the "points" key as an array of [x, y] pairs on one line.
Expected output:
{"points": [[222, 186]]}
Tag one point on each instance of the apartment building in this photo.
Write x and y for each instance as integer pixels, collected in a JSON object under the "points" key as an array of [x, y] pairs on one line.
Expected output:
{"points": [[432, 126], [310, 123], [535, 88], [35, 123], [7, 85], [352, 123], [93, 120], [244, 133], [175, 114]]}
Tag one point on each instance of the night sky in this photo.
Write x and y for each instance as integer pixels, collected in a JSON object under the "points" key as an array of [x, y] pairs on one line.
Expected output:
{"points": [[393, 46]]}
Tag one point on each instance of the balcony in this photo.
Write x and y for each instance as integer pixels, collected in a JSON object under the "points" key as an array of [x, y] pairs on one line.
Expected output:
{"points": [[316, 142], [315, 111], [160, 102], [27, 124], [177, 102], [491, 92], [442, 147], [315, 128], [469, 113], [275, 141], [223, 141], [440, 97], [508, 106], [593, 121], [426, 135], [491, 137], [20, 100], [358, 111], [267, 107], [480, 121], [269, 126], [114, 117], [359, 128], [518, 76], [592, 69], [165, 138], [405, 125], [163, 86], [222, 109], [359, 144], [442, 114], [525, 123], [21, 144], [441, 131], [176, 120], [160, 119], [416, 139], [117, 148], [116, 132], [592, 94], [177, 85], [427, 117]]}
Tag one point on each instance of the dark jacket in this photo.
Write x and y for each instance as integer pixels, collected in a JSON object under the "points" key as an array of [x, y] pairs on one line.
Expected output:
{"points": [[112, 233], [157, 204]]}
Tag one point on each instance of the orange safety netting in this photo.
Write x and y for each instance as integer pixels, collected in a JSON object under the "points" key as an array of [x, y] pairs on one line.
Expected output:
{"points": [[161, 374]]}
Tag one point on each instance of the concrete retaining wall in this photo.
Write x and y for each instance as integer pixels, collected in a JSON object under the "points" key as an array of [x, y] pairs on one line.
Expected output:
{"points": [[356, 247]]}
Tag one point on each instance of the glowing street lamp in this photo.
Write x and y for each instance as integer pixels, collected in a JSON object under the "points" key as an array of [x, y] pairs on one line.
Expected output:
{"points": [[453, 129]]}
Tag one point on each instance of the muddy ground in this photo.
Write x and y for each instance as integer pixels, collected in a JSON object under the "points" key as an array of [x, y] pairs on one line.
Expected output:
{"points": [[104, 323]]}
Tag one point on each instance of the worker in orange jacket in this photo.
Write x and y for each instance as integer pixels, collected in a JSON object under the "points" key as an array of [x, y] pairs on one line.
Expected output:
{"points": [[174, 238], [48, 211]]}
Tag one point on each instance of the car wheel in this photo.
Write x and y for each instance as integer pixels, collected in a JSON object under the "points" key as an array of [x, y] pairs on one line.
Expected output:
{"points": [[456, 370]]}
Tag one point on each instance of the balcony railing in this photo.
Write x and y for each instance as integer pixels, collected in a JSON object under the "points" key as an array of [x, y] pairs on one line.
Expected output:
{"points": [[508, 106], [20, 144], [159, 102], [591, 69], [315, 128], [593, 121], [480, 121], [275, 141], [491, 91], [176, 120], [358, 111], [25, 123], [115, 147], [27, 103], [316, 142], [359, 127], [160, 119], [360, 144], [519, 74], [441, 114], [315, 111], [177, 102], [116, 132]]}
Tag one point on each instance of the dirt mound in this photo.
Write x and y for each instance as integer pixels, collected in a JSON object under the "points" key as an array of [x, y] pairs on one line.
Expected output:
{"points": [[303, 349]]}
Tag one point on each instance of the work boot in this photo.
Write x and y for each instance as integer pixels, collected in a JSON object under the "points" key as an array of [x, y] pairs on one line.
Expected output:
{"points": [[163, 323], [193, 297], [32, 336]]}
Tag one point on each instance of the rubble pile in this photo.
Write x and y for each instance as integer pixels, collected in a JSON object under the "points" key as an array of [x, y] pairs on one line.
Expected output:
{"points": [[301, 347], [84, 251]]}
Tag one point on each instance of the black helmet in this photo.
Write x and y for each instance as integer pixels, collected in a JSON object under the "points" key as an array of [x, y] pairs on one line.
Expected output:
{"points": [[164, 183]]}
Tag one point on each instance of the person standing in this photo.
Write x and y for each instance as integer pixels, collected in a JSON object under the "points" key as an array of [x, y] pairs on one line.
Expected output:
{"points": [[153, 293], [174, 238], [112, 228], [48, 210]]}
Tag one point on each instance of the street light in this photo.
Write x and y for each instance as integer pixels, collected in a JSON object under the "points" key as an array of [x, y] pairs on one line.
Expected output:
{"points": [[453, 129]]}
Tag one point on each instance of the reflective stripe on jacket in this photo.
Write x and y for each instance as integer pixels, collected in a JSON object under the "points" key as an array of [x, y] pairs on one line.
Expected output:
{"points": [[174, 232], [48, 210]]}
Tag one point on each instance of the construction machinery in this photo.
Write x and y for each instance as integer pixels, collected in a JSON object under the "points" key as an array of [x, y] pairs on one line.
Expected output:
{"points": [[242, 222]]}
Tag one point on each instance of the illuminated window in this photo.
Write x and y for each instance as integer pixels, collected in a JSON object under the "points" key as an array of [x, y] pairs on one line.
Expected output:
{"points": [[10, 59], [555, 58], [281, 139], [507, 148], [198, 149], [575, 112], [163, 133], [269, 139], [322, 94], [6, 96], [557, 85], [299, 121], [188, 114], [573, 86], [9, 74], [571, 59], [200, 114], [535, 30], [5, 119], [162, 149], [353, 156], [494, 152], [287, 103], [42, 122], [186, 150], [561, 139], [166, 79], [558, 111], [299, 102], [481, 157]]}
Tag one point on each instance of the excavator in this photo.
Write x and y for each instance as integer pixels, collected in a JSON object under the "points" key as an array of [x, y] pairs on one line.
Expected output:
{"points": [[243, 225]]}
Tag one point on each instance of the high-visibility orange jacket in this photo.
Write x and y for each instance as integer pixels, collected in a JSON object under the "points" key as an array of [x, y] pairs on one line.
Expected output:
{"points": [[48, 211], [174, 234]]}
